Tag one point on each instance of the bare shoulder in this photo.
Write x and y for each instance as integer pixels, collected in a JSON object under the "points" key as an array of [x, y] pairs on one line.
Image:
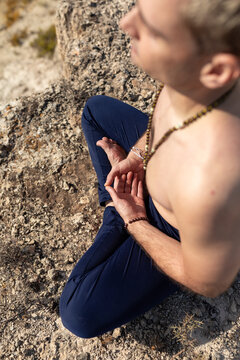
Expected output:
{"points": [[212, 173], [210, 187]]}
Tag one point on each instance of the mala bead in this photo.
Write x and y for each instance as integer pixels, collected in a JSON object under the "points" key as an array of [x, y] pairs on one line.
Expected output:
{"points": [[209, 108]]}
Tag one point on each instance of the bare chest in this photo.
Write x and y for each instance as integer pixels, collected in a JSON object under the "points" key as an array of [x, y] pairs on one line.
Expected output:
{"points": [[163, 176], [168, 168], [208, 146]]}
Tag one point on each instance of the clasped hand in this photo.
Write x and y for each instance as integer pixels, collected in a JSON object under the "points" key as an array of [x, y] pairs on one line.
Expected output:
{"points": [[127, 196]]}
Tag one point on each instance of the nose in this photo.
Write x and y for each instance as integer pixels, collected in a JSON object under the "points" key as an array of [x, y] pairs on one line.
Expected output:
{"points": [[128, 23]]}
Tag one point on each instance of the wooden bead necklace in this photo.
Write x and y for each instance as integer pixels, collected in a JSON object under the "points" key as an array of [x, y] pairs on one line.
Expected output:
{"points": [[207, 109]]}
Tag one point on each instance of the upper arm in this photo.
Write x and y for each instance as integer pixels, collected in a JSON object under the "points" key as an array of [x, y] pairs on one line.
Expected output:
{"points": [[209, 225]]}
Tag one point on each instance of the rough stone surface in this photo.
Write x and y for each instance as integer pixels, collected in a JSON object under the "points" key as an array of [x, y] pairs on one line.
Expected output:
{"points": [[22, 72], [49, 212]]}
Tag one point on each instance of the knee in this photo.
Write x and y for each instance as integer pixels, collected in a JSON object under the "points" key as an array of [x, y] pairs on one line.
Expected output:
{"points": [[92, 105], [78, 318]]}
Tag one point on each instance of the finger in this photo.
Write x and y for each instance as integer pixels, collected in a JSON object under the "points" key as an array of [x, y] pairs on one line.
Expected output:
{"points": [[111, 176], [112, 193], [119, 183], [140, 190], [128, 183], [116, 183], [117, 170], [134, 189]]}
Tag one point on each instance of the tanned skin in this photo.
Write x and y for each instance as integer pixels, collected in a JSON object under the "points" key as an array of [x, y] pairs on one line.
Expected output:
{"points": [[194, 177]]}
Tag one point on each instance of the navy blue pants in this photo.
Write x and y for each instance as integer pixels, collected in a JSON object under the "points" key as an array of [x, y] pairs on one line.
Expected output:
{"points": [[115, 280]]}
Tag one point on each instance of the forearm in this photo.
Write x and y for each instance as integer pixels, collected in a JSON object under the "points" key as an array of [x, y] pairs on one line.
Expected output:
{"points": [[165, 251], [167, 254]]}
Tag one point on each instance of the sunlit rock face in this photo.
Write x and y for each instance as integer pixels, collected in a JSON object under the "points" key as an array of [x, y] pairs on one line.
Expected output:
{"points": [[41, 136], [22, 71], [95, 51]]}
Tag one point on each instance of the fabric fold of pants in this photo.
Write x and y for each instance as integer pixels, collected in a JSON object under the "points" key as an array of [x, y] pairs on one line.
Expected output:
{"points": [[115, 280]]}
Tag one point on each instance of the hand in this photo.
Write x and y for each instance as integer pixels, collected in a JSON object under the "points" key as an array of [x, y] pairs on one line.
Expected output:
{"points": [[127, 196], [131, 164]]}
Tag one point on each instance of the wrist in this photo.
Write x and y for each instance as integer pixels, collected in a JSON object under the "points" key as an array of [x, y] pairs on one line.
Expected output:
{"points": [[137, 153], [134, 220]]}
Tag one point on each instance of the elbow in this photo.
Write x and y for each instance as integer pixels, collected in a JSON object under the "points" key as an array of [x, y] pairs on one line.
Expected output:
{"points": [[212, 292], [209, 290], [208, 286]]}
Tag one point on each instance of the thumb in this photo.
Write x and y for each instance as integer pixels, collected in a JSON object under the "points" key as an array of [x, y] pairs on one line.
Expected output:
{"points": [[111, 177], [112, 193]]}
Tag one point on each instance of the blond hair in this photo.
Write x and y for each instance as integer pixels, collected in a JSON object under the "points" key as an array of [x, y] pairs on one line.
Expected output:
{"points": [[215, 24]]}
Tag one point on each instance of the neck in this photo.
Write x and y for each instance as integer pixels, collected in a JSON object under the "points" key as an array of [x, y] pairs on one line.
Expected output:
{"points": [[187, 103]]}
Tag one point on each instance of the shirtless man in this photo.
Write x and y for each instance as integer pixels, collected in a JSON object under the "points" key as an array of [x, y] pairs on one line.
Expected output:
{"points": [[193, 178]]}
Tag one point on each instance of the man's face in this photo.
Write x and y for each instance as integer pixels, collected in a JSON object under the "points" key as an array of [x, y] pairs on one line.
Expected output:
{"points": [[161, 43]]}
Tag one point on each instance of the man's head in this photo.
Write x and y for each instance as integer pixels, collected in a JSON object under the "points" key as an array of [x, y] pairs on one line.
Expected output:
{"points": [[167, 45], [215, 24]]}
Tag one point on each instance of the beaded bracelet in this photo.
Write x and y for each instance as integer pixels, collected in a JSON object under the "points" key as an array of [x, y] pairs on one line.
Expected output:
{"points": [[136, 219], [138, 152]]}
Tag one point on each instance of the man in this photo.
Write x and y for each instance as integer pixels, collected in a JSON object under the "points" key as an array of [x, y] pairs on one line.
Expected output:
{"points": [[185, 231]]}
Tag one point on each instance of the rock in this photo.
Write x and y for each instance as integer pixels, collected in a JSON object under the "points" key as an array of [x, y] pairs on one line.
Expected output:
{"points": [[80, 56], [148, 316], [232, 317], [217, 356], [147, 357], [143, 323], [198, 312], [56, 275], [83, 356], [230, 291], [116, 333], [237, 300], [233, 307], [22, 71]]}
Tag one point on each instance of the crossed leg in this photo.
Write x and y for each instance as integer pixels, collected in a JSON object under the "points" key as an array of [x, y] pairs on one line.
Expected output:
{"points": [[115, 280]]}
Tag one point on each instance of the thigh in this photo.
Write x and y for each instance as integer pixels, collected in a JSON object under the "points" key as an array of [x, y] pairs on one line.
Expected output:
{"points": [[114, 119], [127, 285]]}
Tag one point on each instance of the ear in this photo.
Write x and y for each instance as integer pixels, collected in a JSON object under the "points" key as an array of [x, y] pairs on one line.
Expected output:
{"points": [[220, 70]]}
